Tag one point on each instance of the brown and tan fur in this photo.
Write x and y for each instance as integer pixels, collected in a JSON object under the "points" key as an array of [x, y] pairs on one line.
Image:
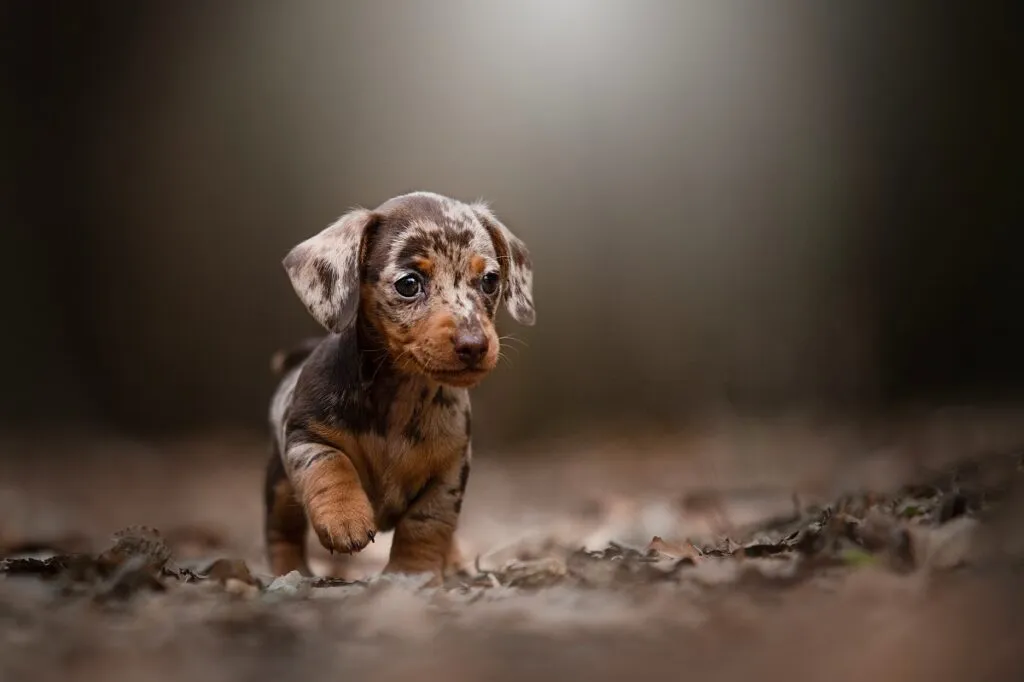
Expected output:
{"points": [[372, 423]]}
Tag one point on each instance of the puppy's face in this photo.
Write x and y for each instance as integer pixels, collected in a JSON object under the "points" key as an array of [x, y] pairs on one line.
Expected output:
{"points": [[430, 287], [429, 273]]}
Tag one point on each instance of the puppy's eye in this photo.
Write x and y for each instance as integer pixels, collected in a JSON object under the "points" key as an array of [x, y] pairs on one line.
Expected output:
{"points": [[409, 286], [489, 283]]}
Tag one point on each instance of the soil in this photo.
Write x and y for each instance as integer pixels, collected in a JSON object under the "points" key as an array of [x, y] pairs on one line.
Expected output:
{"points": [[786, 551]]}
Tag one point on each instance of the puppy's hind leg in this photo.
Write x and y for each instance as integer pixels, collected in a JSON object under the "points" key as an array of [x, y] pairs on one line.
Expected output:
{"points": [[285, 524]]}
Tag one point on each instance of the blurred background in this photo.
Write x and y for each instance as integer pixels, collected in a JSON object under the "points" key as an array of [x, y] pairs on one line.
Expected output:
{"points": [[731, 207], [739, 212]]}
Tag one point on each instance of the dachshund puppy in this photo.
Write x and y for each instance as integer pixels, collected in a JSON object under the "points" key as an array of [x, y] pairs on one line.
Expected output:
{"points": [[371, 424]]}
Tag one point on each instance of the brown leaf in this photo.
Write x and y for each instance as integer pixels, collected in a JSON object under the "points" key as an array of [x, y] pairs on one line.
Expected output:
{"points": [[674, 550], [223, 570]]}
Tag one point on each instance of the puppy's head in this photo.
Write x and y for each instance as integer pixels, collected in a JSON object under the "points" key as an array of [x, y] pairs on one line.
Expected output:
{"points": [[427, 273]]}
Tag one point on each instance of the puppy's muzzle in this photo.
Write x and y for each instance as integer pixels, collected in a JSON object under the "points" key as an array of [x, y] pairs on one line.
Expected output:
{"points": [[470, 346]]}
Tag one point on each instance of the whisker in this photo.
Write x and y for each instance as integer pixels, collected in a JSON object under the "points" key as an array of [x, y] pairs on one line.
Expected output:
{"points": [[513, 338], [403, 354], [383, 360], [503, 349]]}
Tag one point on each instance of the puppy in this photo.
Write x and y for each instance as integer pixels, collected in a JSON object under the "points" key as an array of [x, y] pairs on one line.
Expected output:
{"points": [[371, 424]]}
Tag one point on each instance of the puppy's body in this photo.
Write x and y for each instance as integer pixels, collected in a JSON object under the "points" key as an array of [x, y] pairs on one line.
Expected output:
{"points": [[372, 427], [406, 437]]}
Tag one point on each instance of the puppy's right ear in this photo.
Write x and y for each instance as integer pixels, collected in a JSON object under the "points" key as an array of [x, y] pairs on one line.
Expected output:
{"points": [[324, 269]]}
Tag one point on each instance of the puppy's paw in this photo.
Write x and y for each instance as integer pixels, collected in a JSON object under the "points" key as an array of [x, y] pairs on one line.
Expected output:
{"points": [[345, 527], [455, 565]]}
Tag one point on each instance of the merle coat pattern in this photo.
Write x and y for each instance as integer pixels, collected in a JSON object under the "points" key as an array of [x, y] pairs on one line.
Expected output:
{"points": [[371, 424]]}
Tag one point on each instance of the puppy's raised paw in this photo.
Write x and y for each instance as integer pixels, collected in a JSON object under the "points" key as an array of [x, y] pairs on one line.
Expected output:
{"points": [[344, 528]]}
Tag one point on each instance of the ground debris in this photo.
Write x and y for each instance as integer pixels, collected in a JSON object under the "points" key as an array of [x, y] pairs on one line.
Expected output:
{"points": [[535, 573], [134, 574], [673, 550], [923, 526], [52, 567], [142, 544], [223, 570], [293, 583], [137, 561]]}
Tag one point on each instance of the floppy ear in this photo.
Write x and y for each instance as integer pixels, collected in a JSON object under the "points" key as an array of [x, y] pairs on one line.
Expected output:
{"points": [[516, 269], [324, 269]]}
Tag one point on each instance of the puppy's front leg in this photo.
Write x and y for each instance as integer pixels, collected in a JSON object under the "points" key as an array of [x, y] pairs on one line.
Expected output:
{"points": [[424, 537], [333, 496]]}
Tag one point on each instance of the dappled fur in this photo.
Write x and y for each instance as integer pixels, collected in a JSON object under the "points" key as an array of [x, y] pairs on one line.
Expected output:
{"points": [[372, 422]]}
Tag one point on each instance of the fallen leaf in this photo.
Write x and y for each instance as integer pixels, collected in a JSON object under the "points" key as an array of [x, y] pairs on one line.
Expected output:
{"points": [[223, 570], [674, 550]]}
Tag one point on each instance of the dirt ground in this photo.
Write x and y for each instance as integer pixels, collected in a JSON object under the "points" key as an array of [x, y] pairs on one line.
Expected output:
{"points": [[784, 549]]}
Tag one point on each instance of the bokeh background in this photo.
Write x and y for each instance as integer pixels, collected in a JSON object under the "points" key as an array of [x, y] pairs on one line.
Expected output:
{"points": [[777, 254], [732, 206]]}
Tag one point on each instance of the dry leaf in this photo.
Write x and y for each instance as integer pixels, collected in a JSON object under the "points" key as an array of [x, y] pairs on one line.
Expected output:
{"points": [[223, 570], [674, 550]]}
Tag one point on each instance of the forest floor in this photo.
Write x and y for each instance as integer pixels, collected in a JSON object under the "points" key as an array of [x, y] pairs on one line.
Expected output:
{"points": [[786, 550]]}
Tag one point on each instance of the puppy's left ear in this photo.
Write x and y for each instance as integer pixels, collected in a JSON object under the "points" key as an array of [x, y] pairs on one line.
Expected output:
{"points": [[516, 268], [324, 270]]}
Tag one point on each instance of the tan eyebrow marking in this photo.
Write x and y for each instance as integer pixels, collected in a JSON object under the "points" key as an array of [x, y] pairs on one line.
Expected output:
{"points": [[424, 265]]}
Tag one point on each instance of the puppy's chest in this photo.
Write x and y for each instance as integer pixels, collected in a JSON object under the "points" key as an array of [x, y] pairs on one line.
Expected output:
{"points": [[426, 435]]}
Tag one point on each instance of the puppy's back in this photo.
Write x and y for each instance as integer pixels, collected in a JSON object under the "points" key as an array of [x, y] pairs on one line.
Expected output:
{"points": [[286, 364], [287, 359]]}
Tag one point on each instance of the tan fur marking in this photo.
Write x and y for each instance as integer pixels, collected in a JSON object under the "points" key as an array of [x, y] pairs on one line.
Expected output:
{"points": [[420, 549], [432, 344], [424, 265], [392, 335], [286, 531], [454, 563], [477, 265], [345, 442], [337, 506], [424, 536]]}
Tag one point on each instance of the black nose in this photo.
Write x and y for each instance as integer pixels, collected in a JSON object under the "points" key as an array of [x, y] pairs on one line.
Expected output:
{"points": [[471, 347]]}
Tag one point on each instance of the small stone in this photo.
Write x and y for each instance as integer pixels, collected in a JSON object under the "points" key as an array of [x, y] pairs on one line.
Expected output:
{"points": [[291, 584]]}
